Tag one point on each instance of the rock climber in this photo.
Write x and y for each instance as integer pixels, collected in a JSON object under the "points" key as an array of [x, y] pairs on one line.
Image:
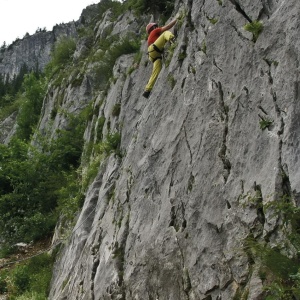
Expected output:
{"points": [[157, 38]]}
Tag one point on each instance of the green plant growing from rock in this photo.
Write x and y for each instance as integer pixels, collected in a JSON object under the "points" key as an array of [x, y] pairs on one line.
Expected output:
{"points": [[212, 20], [203, 47], [111, 144], [279, 264], [265, 123], [181, 18], [172, 80], [100, 126], [170, 53], [255, 27], [116, 110]]}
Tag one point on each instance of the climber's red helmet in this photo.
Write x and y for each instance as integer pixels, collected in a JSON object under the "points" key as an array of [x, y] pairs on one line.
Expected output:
{"points": [[150, 27]]}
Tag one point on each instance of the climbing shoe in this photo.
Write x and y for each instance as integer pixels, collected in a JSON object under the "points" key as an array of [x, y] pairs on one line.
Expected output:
{"points": [[146, 94]]}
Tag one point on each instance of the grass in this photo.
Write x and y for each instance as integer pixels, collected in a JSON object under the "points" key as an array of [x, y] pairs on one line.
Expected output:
{"points": [[255, 27], [279, 264], [31, 278]]}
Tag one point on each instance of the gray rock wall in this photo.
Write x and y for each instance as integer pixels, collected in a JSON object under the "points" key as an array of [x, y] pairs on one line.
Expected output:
{"points": [[168, 219], [33, 50]]}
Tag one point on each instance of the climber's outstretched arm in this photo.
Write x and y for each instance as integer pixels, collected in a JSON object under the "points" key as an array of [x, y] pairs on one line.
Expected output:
{"points": [[168, 26]]}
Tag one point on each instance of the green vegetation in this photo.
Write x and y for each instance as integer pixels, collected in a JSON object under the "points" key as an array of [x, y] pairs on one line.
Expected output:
{"points": [[265, 123], [170, 54], [63, 52], [44, 175], [180, 19], [182, 56], [31, 101], [28, 280], [106, 55], [116, 110], [40, 181], [171, 80], [255, 27], [111, 144], [163, 7], [32, 181], [280, 265], [61, 59], [203, 47], [212, 20], [10, 90]]}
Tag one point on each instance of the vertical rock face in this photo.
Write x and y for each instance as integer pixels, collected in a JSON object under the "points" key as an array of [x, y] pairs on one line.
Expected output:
{"points": [[33, 51], [167, 220]]}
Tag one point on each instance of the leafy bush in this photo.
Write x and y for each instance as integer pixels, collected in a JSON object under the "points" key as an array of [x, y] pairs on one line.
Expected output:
{"points": [[13, 86], [115, 7], [30, 280], [31, 103], [10, 91], [113, 141], [29, 199], [63, 51], [3, 282], [69, 195], [24, 192], [111, 144], [61, 56], [21, 279], [163, 7], [107, 57]]}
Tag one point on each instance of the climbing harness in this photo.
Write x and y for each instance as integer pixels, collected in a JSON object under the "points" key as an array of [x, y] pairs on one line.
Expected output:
{"points": [[155, 48]]}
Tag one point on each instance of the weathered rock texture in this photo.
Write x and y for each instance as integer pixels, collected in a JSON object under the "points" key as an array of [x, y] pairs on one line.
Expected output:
{"points": [[175, 226], [33, 50], [168, 219]]}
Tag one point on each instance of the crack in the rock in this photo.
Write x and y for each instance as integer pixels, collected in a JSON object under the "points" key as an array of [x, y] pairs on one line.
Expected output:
{"points": [[178, 222], [283, 176], [94, 271], [259, 203], [215, 64], [188, 145], [119, 256], [261, 108], [238, 32], [171, 182], [223, 150], [240, 10], [186, 281], [189, 15]]}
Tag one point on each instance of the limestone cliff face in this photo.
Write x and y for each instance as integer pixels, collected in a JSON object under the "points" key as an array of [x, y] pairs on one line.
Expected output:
{"points": [[167, 220], [33, 50]]}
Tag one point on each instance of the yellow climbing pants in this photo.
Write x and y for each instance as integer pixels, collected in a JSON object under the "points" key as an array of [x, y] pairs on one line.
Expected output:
{"points": [[155, 57]]}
